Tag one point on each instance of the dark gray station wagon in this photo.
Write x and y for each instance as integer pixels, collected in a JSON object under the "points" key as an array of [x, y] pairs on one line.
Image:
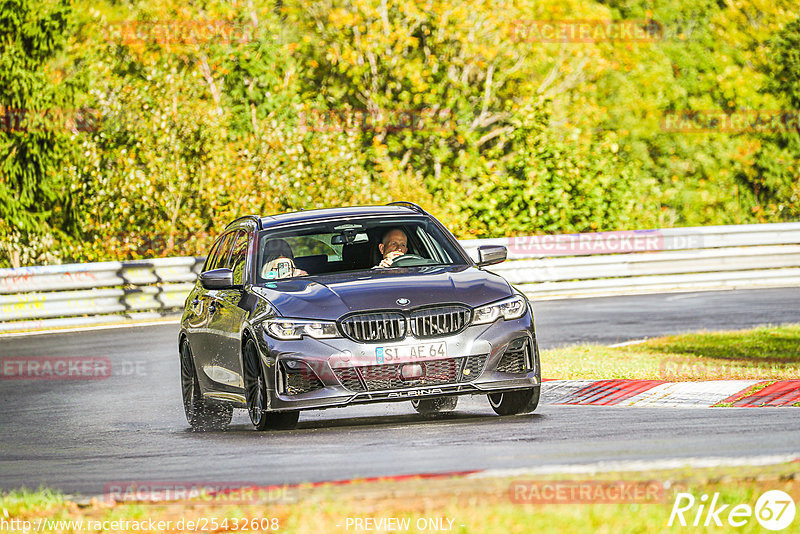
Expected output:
{"points": [[335, 307]]}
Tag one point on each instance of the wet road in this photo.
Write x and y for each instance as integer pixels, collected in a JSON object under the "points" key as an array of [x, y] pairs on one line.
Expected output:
{"points": [[81, 435]]}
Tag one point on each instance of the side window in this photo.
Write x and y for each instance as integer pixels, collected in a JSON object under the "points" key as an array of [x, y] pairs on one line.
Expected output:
{"points": [[433, 247], [211, 258], [223, 251], [238, 257]]}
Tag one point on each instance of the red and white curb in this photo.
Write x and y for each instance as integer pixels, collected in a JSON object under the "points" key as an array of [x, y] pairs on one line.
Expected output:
{"points": [[659, 393]]}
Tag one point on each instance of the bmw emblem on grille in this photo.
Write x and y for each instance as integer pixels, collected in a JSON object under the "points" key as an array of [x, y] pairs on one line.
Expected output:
{"points": [[402, 301]]}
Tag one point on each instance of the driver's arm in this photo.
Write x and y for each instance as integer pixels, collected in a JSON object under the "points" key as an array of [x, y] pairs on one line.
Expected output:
{"points": [[387, 261]]}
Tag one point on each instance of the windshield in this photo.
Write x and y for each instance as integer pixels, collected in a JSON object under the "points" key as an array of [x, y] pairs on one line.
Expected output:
{"points": [[348, 245]]}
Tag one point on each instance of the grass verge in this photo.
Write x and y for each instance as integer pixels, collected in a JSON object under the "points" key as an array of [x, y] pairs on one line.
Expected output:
{"points": [[764, 353], [459, 505]]}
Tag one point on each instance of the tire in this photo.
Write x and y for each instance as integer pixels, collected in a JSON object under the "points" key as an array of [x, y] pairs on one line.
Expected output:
{"points": [[256, 395], [515, 402], [436, 405], [201, 414]]}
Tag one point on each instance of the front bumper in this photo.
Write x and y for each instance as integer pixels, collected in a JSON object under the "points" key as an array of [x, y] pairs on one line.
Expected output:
{"points": [[322, 377]]}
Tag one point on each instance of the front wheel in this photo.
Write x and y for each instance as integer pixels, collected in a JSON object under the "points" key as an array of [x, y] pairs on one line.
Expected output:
{"points": [[256, 395], [201, 414], [514, 402], [439, 404]]}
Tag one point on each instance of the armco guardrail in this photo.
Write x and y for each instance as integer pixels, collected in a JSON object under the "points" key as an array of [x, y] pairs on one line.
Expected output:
{"points": [[86, 293], [648, 261], [551, 266]]}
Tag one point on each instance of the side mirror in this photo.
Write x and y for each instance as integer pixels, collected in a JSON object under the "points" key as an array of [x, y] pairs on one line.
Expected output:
{"points": [[217, 279], [491, 254]]}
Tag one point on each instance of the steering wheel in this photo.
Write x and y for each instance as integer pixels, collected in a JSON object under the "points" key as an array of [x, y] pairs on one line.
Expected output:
{"points": [[408, 260]]}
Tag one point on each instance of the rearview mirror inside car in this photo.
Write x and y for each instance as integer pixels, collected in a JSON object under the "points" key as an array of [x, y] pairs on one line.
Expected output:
{"points": [[349, 237]]}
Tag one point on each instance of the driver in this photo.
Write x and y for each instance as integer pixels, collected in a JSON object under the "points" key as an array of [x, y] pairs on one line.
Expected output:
{"points": [[393, 245]]}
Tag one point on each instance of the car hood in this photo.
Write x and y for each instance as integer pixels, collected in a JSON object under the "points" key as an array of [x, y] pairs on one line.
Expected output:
{"points": [[331, 296]]}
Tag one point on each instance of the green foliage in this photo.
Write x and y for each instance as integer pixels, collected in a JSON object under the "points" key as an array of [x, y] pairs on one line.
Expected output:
{"points": [[774, 178], [459, 72], [210, 110], [198, 133], [557, 186], [33, 193], [784, 69]]}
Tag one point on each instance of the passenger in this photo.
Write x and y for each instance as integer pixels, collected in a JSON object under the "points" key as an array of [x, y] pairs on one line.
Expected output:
{"points": [[278, 261], [393, 245]]}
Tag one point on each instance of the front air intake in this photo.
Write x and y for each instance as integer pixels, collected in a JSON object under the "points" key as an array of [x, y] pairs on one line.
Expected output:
{"points": [[298, 379], [517, 357]]}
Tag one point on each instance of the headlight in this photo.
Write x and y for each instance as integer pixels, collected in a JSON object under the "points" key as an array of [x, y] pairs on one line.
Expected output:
{"points": [[511, 308], [297, 328]]}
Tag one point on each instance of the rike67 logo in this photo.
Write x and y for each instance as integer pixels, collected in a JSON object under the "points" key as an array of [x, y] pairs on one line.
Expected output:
{"points": [[774, 510]]}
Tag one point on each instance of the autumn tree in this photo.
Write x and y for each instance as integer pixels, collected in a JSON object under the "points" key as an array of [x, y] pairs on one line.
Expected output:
{"points": [[37, 121]]}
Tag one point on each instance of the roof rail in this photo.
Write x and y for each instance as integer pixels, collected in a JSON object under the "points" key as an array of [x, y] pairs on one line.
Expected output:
{"points": [[407, 204], [255, 218]]}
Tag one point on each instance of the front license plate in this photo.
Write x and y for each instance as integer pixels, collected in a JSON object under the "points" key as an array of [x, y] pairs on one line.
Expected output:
{"points": [[411, 353]]}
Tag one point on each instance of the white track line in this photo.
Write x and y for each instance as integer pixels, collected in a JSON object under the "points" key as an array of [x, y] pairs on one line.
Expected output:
{"points": [[89, 328], [626, 343], [688, 394]]}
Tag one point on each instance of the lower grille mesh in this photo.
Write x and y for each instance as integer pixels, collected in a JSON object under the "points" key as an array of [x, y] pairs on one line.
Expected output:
{"points": [[516, 358], [301, 380], [473, 367], [437, 372], [349, 379]]}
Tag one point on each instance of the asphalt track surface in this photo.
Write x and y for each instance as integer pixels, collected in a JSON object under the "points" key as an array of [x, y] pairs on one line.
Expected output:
{"points": [[79, 436]]}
